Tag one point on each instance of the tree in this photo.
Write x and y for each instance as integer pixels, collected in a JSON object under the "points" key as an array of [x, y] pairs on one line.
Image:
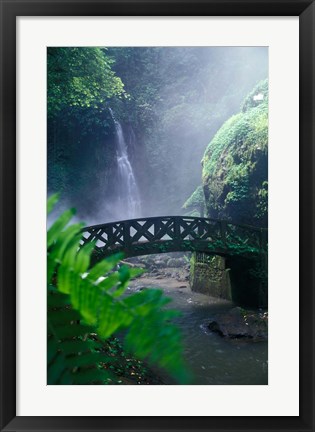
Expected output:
{"points": [[80, 77]]}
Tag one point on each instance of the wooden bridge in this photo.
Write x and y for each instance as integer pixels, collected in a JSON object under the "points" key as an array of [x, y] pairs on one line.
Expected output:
{"points": [[155, 235]]}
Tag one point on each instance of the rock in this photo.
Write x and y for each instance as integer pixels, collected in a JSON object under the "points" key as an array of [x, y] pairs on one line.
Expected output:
{"points": [[239, 323], [175, 262], [235, 165], [141, 288]]}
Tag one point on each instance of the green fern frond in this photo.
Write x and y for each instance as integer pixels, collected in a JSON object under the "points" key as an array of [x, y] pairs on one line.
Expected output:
{"points": [[72, 355], [97, 295]]}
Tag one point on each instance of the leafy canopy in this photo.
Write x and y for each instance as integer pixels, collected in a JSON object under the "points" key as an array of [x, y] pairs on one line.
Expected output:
{"points": [[80, 77]]}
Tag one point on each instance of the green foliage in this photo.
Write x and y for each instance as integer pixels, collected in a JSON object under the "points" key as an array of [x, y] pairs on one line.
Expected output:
{"points": [[262, 204], [196, 200], [91, 300], [74, 355], [247, 131], [235, 164], [81, 84], [178, 97], [194, 213], [262, 88], [81, 77], [229, 131]]}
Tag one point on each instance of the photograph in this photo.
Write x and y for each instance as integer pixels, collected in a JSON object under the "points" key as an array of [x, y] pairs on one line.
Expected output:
{"points": [[157, 215]]}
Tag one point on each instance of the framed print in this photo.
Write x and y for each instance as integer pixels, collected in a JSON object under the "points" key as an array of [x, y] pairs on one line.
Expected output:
{"points": [[113, 105]]}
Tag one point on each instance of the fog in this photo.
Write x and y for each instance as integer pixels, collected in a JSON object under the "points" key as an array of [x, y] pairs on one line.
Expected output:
{"points": [[178, 99]]}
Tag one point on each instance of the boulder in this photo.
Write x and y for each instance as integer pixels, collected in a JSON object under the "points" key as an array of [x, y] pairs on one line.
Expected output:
{"points": [[175, 262], [239, 323]]}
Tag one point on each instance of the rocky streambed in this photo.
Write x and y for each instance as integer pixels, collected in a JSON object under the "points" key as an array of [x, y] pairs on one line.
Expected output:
{"points": [[236, 323], [223, 343]]}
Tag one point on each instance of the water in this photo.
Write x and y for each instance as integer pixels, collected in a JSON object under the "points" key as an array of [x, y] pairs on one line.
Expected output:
{"points": [[212, 359], [128, 197]]}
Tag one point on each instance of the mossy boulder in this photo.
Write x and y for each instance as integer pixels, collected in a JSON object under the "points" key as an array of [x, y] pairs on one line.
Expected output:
{"points": [[196, 199], [195, 203], [235, 164]]}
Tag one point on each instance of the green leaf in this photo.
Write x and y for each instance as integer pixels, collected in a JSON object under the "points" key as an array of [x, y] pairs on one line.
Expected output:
{"points": [[103, 267], [52, 201], [77, 346], [60, 317], [91, 376], [86, 359], [98, 307], [55, 230], [67, 238], [74, 330], [83, 258]]}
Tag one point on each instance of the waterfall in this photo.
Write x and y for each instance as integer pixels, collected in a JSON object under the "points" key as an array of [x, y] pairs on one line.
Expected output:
{"points": [[128, 196]]}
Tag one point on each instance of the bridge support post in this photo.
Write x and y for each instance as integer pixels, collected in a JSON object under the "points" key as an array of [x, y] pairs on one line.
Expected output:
{"points": [[208, 275]]}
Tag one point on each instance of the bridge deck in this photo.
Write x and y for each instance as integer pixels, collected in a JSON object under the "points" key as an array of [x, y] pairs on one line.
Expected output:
{"points": [[176, 233]]}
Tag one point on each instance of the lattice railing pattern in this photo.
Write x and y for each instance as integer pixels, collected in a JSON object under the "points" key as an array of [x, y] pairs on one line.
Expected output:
{"points": [[178, 233]]}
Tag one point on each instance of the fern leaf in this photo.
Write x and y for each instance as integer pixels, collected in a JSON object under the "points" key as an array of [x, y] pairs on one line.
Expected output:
{"points": [[57, 227], [52, 201], [97, 295]]}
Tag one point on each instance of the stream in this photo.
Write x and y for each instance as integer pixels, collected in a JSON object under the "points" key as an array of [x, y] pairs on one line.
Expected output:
{"points": [[211, 358]]}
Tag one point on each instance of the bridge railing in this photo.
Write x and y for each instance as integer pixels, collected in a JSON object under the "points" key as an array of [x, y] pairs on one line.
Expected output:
{"points": [[223, 234], [246, 237]]}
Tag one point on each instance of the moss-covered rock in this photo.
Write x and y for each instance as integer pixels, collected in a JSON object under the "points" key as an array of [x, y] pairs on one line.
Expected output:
{"points": [[235, 164], [208, 275], [195, 203], [196, 199]]}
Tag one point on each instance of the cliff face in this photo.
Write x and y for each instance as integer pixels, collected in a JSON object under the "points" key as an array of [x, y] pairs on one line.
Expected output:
{"points": [[235, 164]]}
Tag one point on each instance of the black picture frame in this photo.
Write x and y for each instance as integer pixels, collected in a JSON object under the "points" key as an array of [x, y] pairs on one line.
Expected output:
{"points": [[10, 9]]}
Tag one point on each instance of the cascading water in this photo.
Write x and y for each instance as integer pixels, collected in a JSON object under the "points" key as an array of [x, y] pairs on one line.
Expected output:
{"points": [[128, 196]]}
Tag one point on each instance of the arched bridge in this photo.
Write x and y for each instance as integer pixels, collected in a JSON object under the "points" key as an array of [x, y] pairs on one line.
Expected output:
{"points": [[176, 233]]}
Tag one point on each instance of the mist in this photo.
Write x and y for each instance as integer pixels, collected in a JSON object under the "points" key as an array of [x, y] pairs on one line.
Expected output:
{"points": [[139, 154]]}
